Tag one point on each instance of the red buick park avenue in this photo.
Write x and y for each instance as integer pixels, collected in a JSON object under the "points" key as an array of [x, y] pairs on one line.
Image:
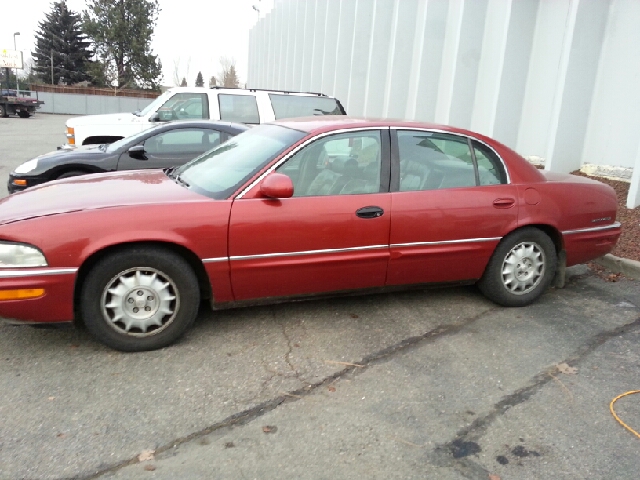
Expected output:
{"points": [[288, 210]]}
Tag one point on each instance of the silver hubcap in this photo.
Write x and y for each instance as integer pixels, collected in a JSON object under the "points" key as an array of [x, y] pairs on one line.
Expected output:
{"points": [[523, 268], [140, 302]]}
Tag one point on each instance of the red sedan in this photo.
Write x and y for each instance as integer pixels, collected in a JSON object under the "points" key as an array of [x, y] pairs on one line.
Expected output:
{"points": [[292, 209]]}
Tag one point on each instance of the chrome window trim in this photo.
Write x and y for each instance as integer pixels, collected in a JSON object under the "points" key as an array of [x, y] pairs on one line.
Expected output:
{"points": [[215, 259], [437, 130], [307, 252], [592, 229], [446, 242], [300, 147], [27, 272]]}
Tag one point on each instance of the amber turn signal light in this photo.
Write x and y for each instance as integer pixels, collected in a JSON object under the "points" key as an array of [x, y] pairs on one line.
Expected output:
{"points": [[20, 183], [21, 294]]}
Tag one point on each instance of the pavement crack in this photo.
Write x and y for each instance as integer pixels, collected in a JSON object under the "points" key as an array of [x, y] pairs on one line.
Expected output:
{"points": [[246, 416], [456, 452]]}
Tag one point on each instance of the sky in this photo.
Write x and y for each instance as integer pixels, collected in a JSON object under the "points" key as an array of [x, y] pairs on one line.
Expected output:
{"points": [[190, 35]]}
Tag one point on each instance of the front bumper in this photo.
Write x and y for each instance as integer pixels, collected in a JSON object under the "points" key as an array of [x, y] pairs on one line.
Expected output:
{"points": [[53, 306], [30, 181]]}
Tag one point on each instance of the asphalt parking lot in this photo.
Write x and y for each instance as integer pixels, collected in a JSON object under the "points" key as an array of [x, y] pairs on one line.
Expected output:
{"points": [[419, 384]]}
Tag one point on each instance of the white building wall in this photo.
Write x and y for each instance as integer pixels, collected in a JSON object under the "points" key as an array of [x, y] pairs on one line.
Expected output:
{"points": [[553, 79]]}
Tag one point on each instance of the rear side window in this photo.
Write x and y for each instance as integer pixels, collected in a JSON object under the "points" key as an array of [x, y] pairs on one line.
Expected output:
{"points": [[238, 108], [291, 106], [490, 168], [434, 161]]}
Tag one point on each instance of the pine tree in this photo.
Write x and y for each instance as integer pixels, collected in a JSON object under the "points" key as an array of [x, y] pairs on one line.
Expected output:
{"points": [[59, 35], [199, 80], [184, 82]]}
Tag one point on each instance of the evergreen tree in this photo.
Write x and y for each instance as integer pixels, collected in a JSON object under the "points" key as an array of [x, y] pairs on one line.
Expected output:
{"points": [[184, 82], [121, 32], [199, 80], [59, 35]]}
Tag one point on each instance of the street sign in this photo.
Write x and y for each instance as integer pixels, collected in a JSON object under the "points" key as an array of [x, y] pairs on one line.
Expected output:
{"points": [[11, 59]]}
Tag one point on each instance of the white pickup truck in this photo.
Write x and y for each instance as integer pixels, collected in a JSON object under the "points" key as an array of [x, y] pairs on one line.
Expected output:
{"points": [[250, 106]]}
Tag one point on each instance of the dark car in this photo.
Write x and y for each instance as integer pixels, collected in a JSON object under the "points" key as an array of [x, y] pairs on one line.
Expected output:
{"points": [[167, 145]]}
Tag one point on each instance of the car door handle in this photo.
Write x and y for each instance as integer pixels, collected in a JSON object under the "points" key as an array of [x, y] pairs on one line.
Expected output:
{"points": [[504, 202], [369, 212]]}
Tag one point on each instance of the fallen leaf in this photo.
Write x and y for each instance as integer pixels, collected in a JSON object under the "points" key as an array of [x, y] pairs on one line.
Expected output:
{"points": [[52, 398], [297, 345], [61, 435], [149, 468], [494, 477], [146, 455], [353, 315], [332, 389], [269, 429], [566, 369]]}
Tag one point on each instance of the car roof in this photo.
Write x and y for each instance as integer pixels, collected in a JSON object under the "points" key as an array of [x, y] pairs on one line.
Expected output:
{"points": [[222, 125], [326, 123]]}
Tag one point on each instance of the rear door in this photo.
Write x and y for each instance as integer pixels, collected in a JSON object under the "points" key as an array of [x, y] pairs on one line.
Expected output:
{"points": [[451, 206]]}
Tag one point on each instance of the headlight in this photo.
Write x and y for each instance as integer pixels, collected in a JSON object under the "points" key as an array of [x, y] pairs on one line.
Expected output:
{"points": [[20, 255], [27, 167]]}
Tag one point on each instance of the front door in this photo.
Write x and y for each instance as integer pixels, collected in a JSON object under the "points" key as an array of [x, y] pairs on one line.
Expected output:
{"points": [[171, 148], [332, 235]]}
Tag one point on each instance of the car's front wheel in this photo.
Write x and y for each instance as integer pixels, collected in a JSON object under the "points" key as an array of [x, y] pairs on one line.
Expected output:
{"points": [[140, 299], [521, 268]]}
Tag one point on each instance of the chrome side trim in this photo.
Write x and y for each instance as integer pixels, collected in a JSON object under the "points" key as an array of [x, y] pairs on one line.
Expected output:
{"points": [[300, 147], [308, 252], [215, 259], [26, 272], [437, 130], [447, 242], [592, 229]]}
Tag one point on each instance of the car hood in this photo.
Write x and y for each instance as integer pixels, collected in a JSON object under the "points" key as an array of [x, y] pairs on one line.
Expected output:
{"points": [[108, 119], [90, 192]]}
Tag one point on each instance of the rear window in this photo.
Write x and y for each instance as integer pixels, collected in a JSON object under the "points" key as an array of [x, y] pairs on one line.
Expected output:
{"points": [[238, 108], [290, 106]]}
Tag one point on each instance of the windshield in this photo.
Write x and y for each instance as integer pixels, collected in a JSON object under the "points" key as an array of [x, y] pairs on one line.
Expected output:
{"points": [[157, 103], [220, 172], [112, 147]]}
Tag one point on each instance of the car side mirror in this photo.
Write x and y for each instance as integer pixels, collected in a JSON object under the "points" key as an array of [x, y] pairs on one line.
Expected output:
{"points": [[137, 152], [277, 185], [155, 117]]}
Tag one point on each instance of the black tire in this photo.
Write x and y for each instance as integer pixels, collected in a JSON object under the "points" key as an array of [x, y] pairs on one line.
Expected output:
{"points": [[23, 114], [3, 111], [521, 268], [121, 288], [72, 173]]}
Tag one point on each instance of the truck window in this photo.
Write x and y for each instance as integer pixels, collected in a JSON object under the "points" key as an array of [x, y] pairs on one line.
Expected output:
{"points": [[238, 108], [290, 106]]}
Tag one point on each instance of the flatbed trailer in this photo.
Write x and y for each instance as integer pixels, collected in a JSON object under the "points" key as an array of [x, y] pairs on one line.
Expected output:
{"points": [[21, 103]]}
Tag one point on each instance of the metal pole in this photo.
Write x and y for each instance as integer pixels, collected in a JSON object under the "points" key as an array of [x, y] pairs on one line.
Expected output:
{"points": [[51, 66], [17, 82]]}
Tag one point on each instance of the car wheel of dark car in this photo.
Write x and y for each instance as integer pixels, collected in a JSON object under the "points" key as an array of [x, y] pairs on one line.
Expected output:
{"points": [[140, 299], [3, 111], [24, 114], [521, 268], [72, 173]]}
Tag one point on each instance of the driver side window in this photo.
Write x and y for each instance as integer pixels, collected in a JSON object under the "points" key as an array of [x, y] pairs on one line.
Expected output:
{"points": [[343, 164], [184, 106]]}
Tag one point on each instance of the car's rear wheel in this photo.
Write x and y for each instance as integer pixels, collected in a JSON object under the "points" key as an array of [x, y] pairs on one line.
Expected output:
{"points": [[24, 114], [140, 299], [3, 111], [521, 269]]}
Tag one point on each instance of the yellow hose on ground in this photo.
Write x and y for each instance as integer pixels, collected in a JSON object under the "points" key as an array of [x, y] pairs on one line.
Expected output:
{"points": [[613, 412]]}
